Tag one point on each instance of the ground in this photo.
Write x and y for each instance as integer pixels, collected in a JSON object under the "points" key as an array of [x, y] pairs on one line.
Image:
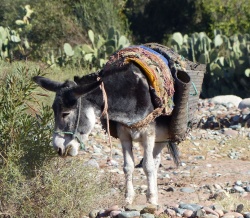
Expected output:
{"points": [[209, 170]]}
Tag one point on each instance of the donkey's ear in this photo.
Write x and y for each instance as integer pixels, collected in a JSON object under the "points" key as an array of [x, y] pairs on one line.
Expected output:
{"points": [[47, 83], [81, 90], [77, 79]]}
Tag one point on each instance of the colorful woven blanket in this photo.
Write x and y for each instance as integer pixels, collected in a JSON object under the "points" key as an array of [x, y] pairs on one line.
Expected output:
{"points": [[155, 67]]}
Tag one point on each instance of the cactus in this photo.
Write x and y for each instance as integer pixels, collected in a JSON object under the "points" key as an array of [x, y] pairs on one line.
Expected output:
{"points": [[94, 54], [15, 42], [227, 59], [247, 72], [101, 49], [68, 49], [115, 41]]}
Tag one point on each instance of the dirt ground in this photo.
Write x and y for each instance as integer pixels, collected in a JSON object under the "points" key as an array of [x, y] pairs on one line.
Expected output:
{"points": [[208, 168]]}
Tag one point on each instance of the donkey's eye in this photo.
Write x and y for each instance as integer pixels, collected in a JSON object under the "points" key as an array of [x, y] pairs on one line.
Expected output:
{"points": [[65, 114]]}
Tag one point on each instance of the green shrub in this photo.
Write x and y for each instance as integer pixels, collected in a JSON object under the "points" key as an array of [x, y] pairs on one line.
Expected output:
{"points": [[25, 124], [33, 181], [101, 15], [230, 16]]}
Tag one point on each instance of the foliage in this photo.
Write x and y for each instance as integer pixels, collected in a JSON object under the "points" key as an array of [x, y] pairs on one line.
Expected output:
{"points": [[154, 20], [99, 16], [230, 16], [227, 60], [162, 18], [33, 182], [92, 56], [101, 49], [14, 43], [61, 188], [22, 127]]}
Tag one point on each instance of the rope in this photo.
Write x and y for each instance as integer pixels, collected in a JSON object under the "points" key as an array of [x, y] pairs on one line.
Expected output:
{"points": [[195, 90], [105, 112]]}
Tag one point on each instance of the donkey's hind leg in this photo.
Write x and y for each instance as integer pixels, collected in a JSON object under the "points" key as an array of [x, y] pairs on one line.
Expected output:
{"points": [[149, 165], [128, 165], [157, 154]]}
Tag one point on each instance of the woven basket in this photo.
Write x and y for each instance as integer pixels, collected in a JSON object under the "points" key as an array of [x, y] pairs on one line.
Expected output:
{"points": [[196, 72]]}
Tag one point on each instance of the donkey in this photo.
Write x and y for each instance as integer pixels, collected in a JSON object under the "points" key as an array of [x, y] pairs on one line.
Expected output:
{"points": [[79, 103]]}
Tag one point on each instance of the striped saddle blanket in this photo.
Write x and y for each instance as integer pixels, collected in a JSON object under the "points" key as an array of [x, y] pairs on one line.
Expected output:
{"points": [[155, 67]]}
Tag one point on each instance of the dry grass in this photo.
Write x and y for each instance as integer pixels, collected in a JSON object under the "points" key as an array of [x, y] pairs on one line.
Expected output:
{"points": [[231, 202], [61, 188], [207, 147]]}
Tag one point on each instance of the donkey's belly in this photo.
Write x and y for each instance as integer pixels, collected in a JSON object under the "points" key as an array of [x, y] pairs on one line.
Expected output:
{"points": [[162, 129]]}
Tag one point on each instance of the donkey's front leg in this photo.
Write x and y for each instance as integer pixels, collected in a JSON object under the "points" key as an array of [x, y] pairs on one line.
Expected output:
{"points": [[149, 166]]}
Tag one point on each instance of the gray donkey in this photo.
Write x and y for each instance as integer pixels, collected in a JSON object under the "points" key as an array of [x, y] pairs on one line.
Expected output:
{"points": [[124, 95]]}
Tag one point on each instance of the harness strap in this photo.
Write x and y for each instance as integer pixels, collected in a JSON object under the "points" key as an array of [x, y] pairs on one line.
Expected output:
{"points": [[105, 112], [74, 134]]}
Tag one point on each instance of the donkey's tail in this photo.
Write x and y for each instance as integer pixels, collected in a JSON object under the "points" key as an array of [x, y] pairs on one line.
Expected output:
{"points": [[174, 151]]}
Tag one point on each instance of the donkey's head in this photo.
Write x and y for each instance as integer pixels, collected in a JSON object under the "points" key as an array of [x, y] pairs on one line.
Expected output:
{"points": [[74, 114]]}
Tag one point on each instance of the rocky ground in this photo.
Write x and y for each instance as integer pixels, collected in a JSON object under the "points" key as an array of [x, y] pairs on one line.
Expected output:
{"points": [[213, 179]]}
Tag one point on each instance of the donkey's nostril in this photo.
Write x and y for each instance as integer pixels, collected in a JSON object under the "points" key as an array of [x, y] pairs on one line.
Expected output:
{"points": [[65, 114], [60, 151]]}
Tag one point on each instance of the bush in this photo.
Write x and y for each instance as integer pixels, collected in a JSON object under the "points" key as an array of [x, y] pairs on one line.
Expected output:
{"points": [[61, 188], [33, 181], [99, 16], [230, 16], [25, 124]]}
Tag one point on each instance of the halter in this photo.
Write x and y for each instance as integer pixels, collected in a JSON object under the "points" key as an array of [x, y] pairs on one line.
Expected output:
{"points": [[74, 134], [104, 112]]}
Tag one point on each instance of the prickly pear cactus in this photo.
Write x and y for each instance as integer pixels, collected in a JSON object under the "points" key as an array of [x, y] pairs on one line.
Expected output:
{"points": [[227, 59]]}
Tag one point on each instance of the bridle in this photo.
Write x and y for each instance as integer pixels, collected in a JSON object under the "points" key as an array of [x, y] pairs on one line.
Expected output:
{"points": [[75, 134]]}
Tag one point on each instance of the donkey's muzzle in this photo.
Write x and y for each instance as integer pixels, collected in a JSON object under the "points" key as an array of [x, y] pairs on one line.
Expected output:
{"points": [[60, 151]]}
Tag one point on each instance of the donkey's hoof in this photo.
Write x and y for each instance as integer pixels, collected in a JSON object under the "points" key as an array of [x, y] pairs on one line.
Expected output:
{"points": [[129, 200], [153, 200]]}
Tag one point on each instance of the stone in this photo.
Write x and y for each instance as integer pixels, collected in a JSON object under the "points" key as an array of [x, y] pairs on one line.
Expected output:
{"points": [[92, 163], [114, 207], [180, 211], [239, 208], [93, 213], [159, 211], [210, 211], [200, 213], [170, 212], [149, 209], [220, 212], [186, 206], [247, 215], [170, 189], [245, 103], [196, 206], [133, 207], [129, 214], [188, 213], [114, 213], [147, 215], [238, 188], [247, 188], [239, 183], [187, 190], [218, 207], [225, 99], [211, 216], [233, 215]]}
